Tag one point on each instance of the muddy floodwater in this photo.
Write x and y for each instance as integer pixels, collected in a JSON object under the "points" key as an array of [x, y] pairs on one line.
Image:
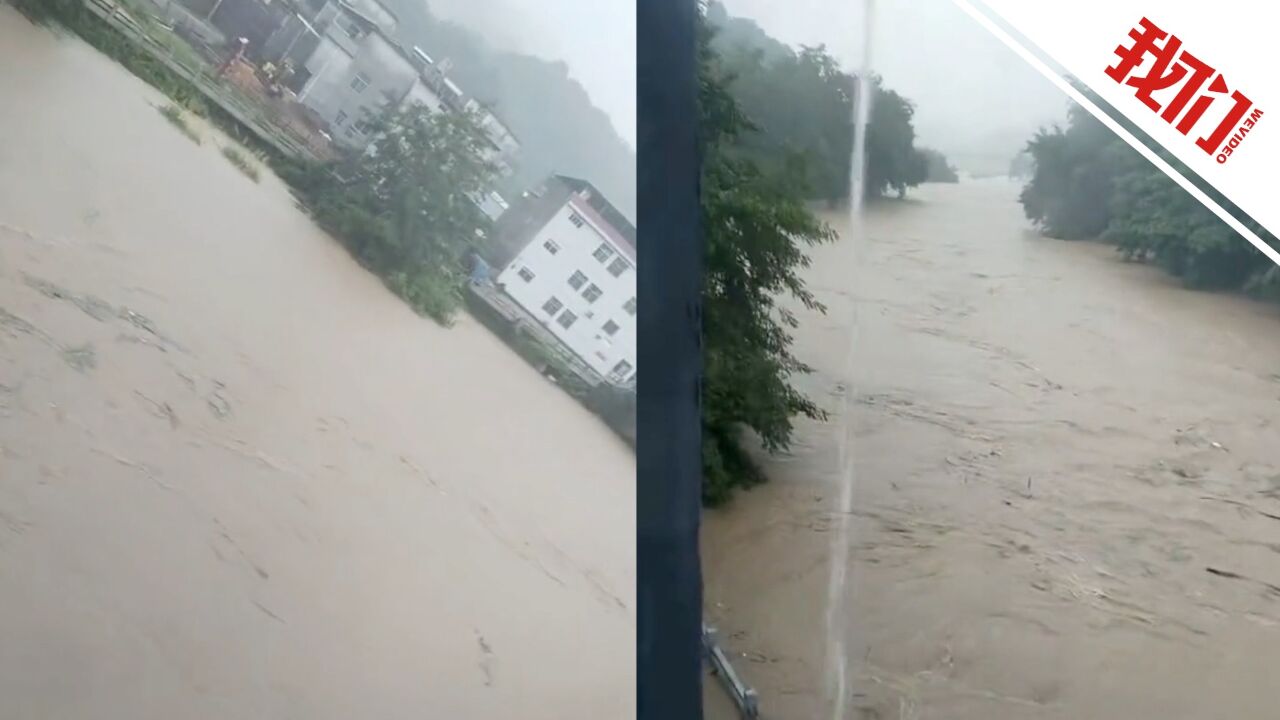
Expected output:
{"points": [[1066, 485], [239, 479]]}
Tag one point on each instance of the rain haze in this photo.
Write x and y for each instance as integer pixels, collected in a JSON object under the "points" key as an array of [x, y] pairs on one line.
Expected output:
{"points": [[596, 40], [980, 112]]}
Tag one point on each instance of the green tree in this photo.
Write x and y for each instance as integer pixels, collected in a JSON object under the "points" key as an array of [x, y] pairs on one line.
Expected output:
{"points": [[757, 228], [937, 169], [893, 163], [1085, 182], [802, 104], [404, 209], [1069, 193]]}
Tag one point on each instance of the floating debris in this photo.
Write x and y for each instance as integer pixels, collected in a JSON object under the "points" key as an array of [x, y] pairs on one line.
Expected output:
{"points": [[13, 322], [139, 321], [218, 404], [94, 307], [161, 409], [139, 340], [81, 358], [144, 323]]}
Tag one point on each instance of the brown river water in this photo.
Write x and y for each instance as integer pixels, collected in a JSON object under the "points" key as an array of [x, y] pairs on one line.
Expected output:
{"points": [[1066, 485], [239, 479]]}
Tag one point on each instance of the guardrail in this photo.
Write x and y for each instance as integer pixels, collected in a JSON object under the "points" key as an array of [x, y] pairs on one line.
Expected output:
{"points": [[251, 118], [743, 696]]}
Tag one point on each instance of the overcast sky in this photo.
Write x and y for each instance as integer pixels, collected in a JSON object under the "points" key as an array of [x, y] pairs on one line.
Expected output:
{"points": [[975, 100], [595, 38]]}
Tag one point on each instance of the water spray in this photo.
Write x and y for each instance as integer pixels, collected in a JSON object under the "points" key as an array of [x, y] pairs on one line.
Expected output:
{"points": [[837, 633]]}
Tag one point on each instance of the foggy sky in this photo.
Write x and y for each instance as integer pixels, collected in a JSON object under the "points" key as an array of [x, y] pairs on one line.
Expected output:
{"points": [[595, 38], [975, 99]]}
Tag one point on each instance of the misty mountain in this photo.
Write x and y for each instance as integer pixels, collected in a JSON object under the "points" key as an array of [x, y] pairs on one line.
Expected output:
{"points": [[559, 128], [739, 34]]}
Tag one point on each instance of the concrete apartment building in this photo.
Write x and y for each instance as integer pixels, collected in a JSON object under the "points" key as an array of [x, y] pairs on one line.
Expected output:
{"points": [[567, 256]]}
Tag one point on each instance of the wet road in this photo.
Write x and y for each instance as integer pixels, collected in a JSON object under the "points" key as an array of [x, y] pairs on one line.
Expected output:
{"points": [[239, 479], [1066, 482]]}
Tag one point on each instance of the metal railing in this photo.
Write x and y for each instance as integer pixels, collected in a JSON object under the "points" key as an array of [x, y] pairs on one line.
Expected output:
{"points": [[742, 695], [244, 112]]}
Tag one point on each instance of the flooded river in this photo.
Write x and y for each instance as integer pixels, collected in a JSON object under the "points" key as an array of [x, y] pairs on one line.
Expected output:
{"points": [[1066, 485], [239, 479]]}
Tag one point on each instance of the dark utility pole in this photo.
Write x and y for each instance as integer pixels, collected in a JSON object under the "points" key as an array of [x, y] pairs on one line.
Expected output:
{"points": [[669, 455]]}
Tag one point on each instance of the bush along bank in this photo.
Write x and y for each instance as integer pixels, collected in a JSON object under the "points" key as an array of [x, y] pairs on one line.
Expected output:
{"points": [[1086, 183]]}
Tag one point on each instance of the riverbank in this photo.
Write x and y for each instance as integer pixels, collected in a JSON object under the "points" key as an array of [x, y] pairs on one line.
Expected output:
{"points": [[242, 479], [1060, 464], [127, 35]]}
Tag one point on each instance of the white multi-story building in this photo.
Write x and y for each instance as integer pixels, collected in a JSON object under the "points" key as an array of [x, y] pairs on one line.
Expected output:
{"points": [[567, 256], [349, 69]]}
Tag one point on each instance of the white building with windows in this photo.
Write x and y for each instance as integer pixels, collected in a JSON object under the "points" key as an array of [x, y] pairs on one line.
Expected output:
{"points": [[349, 69], [568, 257]]}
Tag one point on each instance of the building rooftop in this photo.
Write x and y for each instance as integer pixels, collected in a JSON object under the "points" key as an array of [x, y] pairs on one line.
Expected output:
{"points": [[356, 11], [611, 215]]}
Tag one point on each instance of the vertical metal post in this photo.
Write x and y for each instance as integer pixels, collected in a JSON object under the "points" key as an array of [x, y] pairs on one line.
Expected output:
{"points": [[669, 452]]}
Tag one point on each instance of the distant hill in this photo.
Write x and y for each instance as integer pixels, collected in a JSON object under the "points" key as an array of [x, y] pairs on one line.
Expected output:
{"points": [[559, 128], [736, 34]]}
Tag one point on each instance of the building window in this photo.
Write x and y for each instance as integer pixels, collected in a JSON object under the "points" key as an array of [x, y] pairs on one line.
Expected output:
{"points": [[630, 307], [551, 246], [348, 26], [567, 319], [351, 131], [362, 127], [620, 371], [611, 328], [577, 280], [359, 83], [603, 253], [340, 118], [525, 274], [552, 306], [617, 267], [592, 293], [577, 220]]}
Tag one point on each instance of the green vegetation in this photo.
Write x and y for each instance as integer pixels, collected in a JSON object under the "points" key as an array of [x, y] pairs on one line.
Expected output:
{"points": [[777, 128], [757, 227], [937, 169], [242, 162], [893, 162], [802, 103], [72, 15], [403, 209], [45, 11], [178, 119], [1088, 183]]}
